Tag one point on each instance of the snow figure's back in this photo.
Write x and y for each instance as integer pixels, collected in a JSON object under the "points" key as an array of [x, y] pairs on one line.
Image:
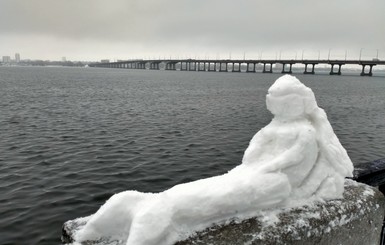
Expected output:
{"points": [[295, 159]]}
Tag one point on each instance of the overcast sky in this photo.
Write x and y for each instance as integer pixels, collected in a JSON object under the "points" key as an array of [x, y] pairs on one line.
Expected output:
{"points": [[124, 29]]}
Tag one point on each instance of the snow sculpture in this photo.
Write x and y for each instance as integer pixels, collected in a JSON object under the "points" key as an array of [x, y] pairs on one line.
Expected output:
{"points": [[295, 159]]}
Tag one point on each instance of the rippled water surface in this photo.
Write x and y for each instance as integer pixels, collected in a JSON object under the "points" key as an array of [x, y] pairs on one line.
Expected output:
{"points": [[71, 137]]}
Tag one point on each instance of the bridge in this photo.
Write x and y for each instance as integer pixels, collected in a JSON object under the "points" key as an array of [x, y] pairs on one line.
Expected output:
{"points": [[236, 65]]}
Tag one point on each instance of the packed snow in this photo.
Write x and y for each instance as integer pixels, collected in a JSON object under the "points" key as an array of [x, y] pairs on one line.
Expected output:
{"points": [[294, 160]]}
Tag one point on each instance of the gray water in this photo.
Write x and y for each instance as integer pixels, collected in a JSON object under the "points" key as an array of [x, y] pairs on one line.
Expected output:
{"points": [[71, 137]]}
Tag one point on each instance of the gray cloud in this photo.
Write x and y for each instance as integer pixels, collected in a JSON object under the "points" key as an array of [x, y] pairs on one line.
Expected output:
{"points": [[189, 26]]}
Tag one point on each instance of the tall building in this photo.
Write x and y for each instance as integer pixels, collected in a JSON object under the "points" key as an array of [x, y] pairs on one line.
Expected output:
{"points": [[6, 59], [17, 57]]}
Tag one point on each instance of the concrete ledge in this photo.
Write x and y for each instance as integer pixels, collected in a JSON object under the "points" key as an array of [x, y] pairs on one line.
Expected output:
{"points": [[354, 220]]}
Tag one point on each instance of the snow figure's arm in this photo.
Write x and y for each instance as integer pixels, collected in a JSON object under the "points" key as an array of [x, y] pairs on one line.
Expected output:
{"points": [[255, 147], [304, 148]]}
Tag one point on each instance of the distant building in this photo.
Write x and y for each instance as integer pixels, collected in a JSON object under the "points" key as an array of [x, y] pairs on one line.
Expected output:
{"points": [[64, 59], [105, 61], [17, 57], [6, 59]]}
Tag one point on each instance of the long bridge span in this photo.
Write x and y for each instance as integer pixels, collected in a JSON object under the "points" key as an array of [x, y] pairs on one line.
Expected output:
{"points": [[230, 65]]}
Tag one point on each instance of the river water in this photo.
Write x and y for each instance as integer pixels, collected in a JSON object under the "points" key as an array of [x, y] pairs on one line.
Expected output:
{"points": [[72, 137]]}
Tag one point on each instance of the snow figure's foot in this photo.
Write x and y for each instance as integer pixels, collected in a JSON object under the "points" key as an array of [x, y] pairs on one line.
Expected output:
{"points": [[117, 216]]}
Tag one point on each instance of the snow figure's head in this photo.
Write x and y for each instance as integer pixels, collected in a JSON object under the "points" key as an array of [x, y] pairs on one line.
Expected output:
{"points": [[288, 98]]}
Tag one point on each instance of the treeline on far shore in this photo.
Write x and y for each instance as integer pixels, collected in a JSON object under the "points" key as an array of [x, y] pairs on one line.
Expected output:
{"points": [[45, 63]]}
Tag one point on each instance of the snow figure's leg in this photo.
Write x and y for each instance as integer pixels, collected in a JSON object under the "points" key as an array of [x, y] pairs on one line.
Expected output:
{"points": [[152, 224], [196, 205], [114, 218]]}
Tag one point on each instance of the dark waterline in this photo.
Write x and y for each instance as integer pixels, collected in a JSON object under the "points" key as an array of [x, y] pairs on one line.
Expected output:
{"points": [[71, 137]]}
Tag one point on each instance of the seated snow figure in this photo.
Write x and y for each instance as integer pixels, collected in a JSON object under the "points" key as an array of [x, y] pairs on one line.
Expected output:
{"points": [[296, 158]]}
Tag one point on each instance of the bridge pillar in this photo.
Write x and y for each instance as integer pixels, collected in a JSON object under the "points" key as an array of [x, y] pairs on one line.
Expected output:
{"points": [[190, 66], [307, 71], [213, 66], [200, 67], [270, 70], [332, 72], [239, 67], [284, 68], [363, 73], [181, 66], [248, 66], [170, 66], [221, 65], [154, 66]]}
